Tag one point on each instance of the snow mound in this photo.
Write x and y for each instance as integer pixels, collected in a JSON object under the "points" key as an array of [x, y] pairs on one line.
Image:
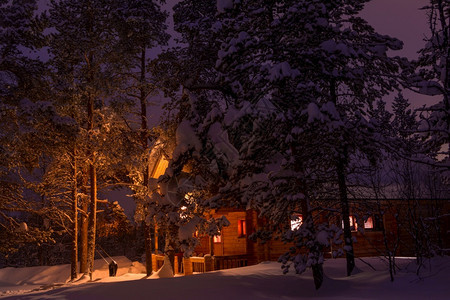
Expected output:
{"points": [[35, 278], [137, 268], [101, 267], [165, 271]]}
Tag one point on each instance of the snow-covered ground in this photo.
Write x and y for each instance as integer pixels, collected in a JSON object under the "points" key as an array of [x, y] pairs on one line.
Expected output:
{"points": [[263, 281]]}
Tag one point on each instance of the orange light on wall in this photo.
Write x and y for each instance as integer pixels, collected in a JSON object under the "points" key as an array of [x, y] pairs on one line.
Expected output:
{"points": [[242, 228]]}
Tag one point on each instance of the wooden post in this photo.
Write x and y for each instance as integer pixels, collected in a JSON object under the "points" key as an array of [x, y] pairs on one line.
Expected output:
{"points": [[209, 263], [211, 246], [154, 263], [187, 265], [156, 238]]}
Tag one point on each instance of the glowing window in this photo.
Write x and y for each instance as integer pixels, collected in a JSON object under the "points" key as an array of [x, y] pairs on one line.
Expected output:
{"points": [[296, 222], [374, 222], [368, 224], [242, 230], [353, 224], [217, 239]]}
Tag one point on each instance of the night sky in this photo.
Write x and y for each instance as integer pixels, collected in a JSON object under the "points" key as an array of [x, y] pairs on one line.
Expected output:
{"points": [[402, 19]]}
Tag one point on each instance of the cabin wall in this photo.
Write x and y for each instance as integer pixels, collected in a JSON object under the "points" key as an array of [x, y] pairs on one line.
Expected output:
{"points": [[232, 243], [370, 242]]}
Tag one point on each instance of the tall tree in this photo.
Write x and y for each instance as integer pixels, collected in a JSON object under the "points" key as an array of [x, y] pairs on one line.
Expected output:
{"points": [[141, 28], [320, 78], [21, 84], [310, 87], [433, 78], [85, 54]]}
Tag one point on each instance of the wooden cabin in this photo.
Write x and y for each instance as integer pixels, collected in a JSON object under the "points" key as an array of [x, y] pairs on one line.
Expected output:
{"points": [[384, 231]]}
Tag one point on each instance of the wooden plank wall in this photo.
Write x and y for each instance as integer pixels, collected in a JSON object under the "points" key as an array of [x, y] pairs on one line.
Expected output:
{"points": [[232, 243], [369, 243]]}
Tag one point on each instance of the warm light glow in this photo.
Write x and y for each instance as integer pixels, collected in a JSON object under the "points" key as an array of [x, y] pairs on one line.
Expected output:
{"points": [[369, 223], [296, 222], [242, 230], [183, 212], [160, 167], [353, 224], [217, 239]]}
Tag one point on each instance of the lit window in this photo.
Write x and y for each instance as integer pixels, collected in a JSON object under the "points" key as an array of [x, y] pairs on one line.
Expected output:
{"points": [[217, 239], [374, 222], [242, 230], [296, 222], [353, 224], [368, 224]]}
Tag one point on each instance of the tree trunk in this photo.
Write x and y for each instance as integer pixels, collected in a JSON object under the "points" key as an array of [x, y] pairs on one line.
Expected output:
{"points": [[93, 195], [84, 231], [170, 250], [348, 241], [341, 178], [316, 250], [144, 141], [92, 220], [74, 258], [148, 249]]}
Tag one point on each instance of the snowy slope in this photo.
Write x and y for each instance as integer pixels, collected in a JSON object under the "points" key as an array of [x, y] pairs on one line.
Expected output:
{"points": [[265, 281], [15, 280]]}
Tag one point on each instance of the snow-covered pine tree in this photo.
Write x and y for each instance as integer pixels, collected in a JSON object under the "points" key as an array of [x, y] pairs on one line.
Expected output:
{"points": [[433, 79], [21, 84], [185, 138], [141, 26], [86, 56], [422, 185], [320, 78]]}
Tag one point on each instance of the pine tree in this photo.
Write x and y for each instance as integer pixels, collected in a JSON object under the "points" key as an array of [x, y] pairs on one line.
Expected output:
{"points": [[86, 58], [320, 79], [141, 27], [21, 84], [433, 78]]}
